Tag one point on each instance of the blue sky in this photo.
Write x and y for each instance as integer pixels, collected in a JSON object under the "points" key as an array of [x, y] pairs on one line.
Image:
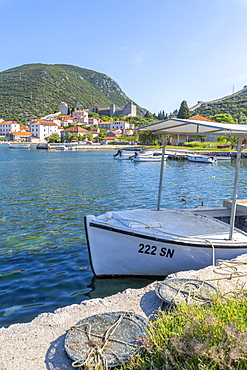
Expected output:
{"points": [[160, 52]]}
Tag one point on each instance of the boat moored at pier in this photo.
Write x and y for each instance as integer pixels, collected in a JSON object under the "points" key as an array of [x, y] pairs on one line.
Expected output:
{"points": [[162, 241]]}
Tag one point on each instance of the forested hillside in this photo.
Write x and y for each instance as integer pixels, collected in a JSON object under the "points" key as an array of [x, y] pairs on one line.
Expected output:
{"points": [[35, 90], [235, 104]]}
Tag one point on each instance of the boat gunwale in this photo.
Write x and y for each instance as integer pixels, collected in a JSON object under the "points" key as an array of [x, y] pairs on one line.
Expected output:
{"points": [[237, 245]]}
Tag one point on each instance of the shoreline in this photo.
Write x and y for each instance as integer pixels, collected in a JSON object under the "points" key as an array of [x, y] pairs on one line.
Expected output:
{"points": [[39, 344]]}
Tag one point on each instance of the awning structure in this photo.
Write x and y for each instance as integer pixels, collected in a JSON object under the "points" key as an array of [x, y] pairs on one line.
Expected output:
{"points": [[178, 126]]}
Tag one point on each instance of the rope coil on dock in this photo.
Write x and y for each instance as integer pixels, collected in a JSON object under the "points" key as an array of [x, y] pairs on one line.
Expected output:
{"points": [[106, 340]]}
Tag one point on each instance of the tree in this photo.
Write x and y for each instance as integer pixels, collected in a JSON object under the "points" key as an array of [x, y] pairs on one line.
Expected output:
{"points": [[223, 118], [148, 114], [147, 137], [184, 111], [54, 138]]}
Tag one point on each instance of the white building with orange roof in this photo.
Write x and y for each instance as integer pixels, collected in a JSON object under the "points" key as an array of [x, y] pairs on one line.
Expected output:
{"points": [[94, 121], [65, 119], [44, 129], [116, 125], [95, 132], [8, 126], [112, 135], [74, 130], [18, 136], [81, 119], [81, 113]]}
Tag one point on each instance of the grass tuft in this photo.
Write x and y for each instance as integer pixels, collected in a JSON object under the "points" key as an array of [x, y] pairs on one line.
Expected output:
{"points": [[192, 337]]}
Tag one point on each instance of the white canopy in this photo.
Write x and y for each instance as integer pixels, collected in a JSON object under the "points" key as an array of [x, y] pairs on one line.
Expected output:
{"points": [[178, 126]]}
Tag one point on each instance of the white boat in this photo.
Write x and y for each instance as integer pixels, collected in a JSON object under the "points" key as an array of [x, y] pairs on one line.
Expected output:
{"points": [[153, 157], [71, 147], [122, 155], [159, 242], [219, 157], [201, 158], [19, 146], [128, 154], [61, 147]]}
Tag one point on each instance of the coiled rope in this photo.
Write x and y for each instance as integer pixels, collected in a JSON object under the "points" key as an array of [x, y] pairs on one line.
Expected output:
{"points": [[96, 358]]}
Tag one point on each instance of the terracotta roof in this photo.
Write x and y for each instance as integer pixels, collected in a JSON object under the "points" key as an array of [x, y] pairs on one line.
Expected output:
{"points": [[7, 122], [75, 129], [17, 133], [110, 137], [198, 117], [44, 123]]}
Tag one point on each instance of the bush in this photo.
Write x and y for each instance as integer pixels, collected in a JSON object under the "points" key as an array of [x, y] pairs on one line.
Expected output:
{"points": [[192, 337]]}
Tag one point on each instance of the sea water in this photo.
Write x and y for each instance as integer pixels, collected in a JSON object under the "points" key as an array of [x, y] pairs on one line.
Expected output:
{"points": [[44, 197]]}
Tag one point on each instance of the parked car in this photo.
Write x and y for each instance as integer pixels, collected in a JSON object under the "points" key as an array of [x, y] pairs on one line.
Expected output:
{"points": [[85, 142]]}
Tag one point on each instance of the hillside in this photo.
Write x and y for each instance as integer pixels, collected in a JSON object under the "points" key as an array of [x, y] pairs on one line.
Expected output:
{"points": [[35, 90], [234, 104]]}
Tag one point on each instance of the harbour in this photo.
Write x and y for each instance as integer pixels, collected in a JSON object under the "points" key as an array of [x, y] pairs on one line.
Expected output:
{"points": [[45, 196]]}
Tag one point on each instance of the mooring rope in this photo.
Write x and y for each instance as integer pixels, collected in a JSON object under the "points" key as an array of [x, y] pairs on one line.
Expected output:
{"points": [[194, 292], [96, 356]]}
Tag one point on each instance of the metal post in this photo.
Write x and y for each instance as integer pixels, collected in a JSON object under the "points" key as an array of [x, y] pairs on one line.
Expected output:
{"points": [[234, 198], [161, 172]]}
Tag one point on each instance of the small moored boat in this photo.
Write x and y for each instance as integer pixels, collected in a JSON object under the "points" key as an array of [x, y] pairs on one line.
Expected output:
{"points": [[162, 241], [19, 146], [150, 157], [201, 158], [61, 147]]}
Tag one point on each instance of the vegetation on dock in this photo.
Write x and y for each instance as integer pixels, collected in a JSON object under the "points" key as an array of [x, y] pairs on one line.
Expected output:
{"points": [[192, 337]]}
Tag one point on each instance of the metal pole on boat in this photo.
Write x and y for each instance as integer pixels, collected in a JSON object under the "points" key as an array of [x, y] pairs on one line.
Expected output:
{"points": [[234, 198], [161, 172]]}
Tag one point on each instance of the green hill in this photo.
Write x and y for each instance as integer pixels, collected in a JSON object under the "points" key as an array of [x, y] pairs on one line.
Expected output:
{"points": [[35, 90], [234, 104]]}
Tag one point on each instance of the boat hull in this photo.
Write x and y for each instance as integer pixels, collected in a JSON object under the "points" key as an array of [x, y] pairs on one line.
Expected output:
{"points": [[19, 146], [152, 158], [120, 251], [201, 159]]}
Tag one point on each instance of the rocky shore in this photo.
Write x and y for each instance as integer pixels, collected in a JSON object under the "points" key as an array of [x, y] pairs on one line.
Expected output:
{"points": [[40, 343]]}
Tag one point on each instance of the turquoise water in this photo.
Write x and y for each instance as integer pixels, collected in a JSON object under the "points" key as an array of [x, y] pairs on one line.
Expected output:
{"points": [[44, 261]]}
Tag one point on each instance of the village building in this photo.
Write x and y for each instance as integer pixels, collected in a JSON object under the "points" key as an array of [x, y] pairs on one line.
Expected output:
{"points": [[8, 126], [94, 121], [116, 125], [180, 139], [18, 136], [95, 132], [112, 135], [74, 130], [82, 114], [64, 108], [44, 129], [65, 119]]}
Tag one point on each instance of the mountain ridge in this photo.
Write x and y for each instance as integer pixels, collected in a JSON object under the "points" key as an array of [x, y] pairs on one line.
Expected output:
{"points": [[35, 90], [234, 104]]}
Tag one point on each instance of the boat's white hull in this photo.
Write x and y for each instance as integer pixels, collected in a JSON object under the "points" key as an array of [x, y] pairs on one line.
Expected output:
{"points": [[152, 158], [62, 147], [129, 155], [123, 157], [221, 157], [201, 159], [116, 249], [20, 146]]}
